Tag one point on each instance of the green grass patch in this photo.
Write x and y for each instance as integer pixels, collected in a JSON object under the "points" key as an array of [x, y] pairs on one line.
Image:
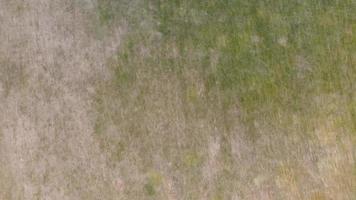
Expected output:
{"points": [[287, 68]]}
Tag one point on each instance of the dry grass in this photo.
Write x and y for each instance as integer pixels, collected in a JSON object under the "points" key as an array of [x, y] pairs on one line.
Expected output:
{"points": [[119, 99]]}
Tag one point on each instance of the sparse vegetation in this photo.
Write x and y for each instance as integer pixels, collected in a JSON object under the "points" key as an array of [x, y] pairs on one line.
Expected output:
{"points": [[214, 99], [283, 67]]}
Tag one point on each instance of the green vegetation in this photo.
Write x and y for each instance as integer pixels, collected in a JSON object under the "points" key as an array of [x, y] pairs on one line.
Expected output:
{"points": [[154, 180], [287, 68], [272, 55]]}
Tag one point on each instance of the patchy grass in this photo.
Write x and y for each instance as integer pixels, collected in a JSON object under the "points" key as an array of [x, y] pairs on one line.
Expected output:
{"points": [[178, 99], [277, 75]]}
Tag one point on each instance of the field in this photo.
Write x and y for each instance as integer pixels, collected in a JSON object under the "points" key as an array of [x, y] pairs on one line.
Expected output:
{"points": [[177, 99]]}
